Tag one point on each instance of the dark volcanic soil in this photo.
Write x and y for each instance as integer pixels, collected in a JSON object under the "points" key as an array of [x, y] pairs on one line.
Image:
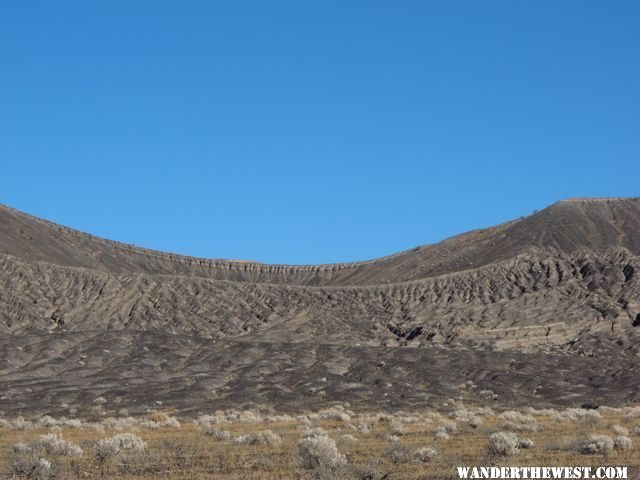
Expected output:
{"points": [[544, 310]]}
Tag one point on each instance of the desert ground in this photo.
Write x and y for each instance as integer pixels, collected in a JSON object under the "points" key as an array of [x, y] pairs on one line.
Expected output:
{"points": [[334, 443]]}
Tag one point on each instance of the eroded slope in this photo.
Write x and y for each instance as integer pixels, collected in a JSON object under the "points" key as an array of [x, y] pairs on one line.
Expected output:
{"points": [[542, 310], [567, 226]]}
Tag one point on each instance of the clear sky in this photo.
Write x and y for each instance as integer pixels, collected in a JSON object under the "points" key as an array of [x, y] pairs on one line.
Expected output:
{"points": [[313, 131]]}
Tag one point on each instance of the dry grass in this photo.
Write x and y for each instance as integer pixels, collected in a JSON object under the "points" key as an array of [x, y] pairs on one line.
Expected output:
{"points": [[389, 443]]}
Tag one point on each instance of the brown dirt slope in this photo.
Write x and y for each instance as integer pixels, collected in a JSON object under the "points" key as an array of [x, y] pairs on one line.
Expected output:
{"points": [[544, 309], [567, 226]]}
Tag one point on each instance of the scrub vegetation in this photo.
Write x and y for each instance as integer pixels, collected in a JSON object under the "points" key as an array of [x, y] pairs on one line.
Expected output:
{"points": [[334, 443]]}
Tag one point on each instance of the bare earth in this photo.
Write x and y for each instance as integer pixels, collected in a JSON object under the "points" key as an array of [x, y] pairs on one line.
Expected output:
{"points": [[543, 311]]}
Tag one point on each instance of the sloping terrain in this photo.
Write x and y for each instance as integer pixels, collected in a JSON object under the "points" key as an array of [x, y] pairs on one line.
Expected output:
{"points": [[540, 310], [567, 226]]}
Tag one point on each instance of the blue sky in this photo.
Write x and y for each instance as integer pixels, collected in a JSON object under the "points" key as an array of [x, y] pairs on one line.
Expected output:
{"points": [[313, 132]]}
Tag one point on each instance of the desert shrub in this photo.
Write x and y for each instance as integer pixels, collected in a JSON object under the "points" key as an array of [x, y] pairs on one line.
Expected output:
{"points": [[405, 417], [170, 422], [363, 427], [449, 426], [562, 416], [622, 442], [70, 423], [425, 454], [525, 443], [216, 433], [413, 419], [54, 444], [486, 411], [512, 420], [119, 423], [50, 444], [266, 437], [596, 444], [631, 412], [139, 463], [399, 453], [397, 428], [206, 420], [335, 413], [590, 418], [441, 434], [157, 416], [33, 467], [305, 423], [21, 424], [129, 441], [108, 448], [586, 417], [468, 418], [105, 450], [610, 410], [47, 421], [160, 420], [318, 452], [271, 438], [348, 439], [248, 439], [514, 416], [619, 430], [636, 430], [97, 427], [278, 418], [22, 447], [246, 416], [503, 443], [384, 418]]}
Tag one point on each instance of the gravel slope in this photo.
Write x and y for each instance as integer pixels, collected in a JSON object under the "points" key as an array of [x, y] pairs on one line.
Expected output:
{"points": [[543, 310]]}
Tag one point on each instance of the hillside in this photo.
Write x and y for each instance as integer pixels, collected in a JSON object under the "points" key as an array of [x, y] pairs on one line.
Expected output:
{"points": [[541, 310], [567, 226]]}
